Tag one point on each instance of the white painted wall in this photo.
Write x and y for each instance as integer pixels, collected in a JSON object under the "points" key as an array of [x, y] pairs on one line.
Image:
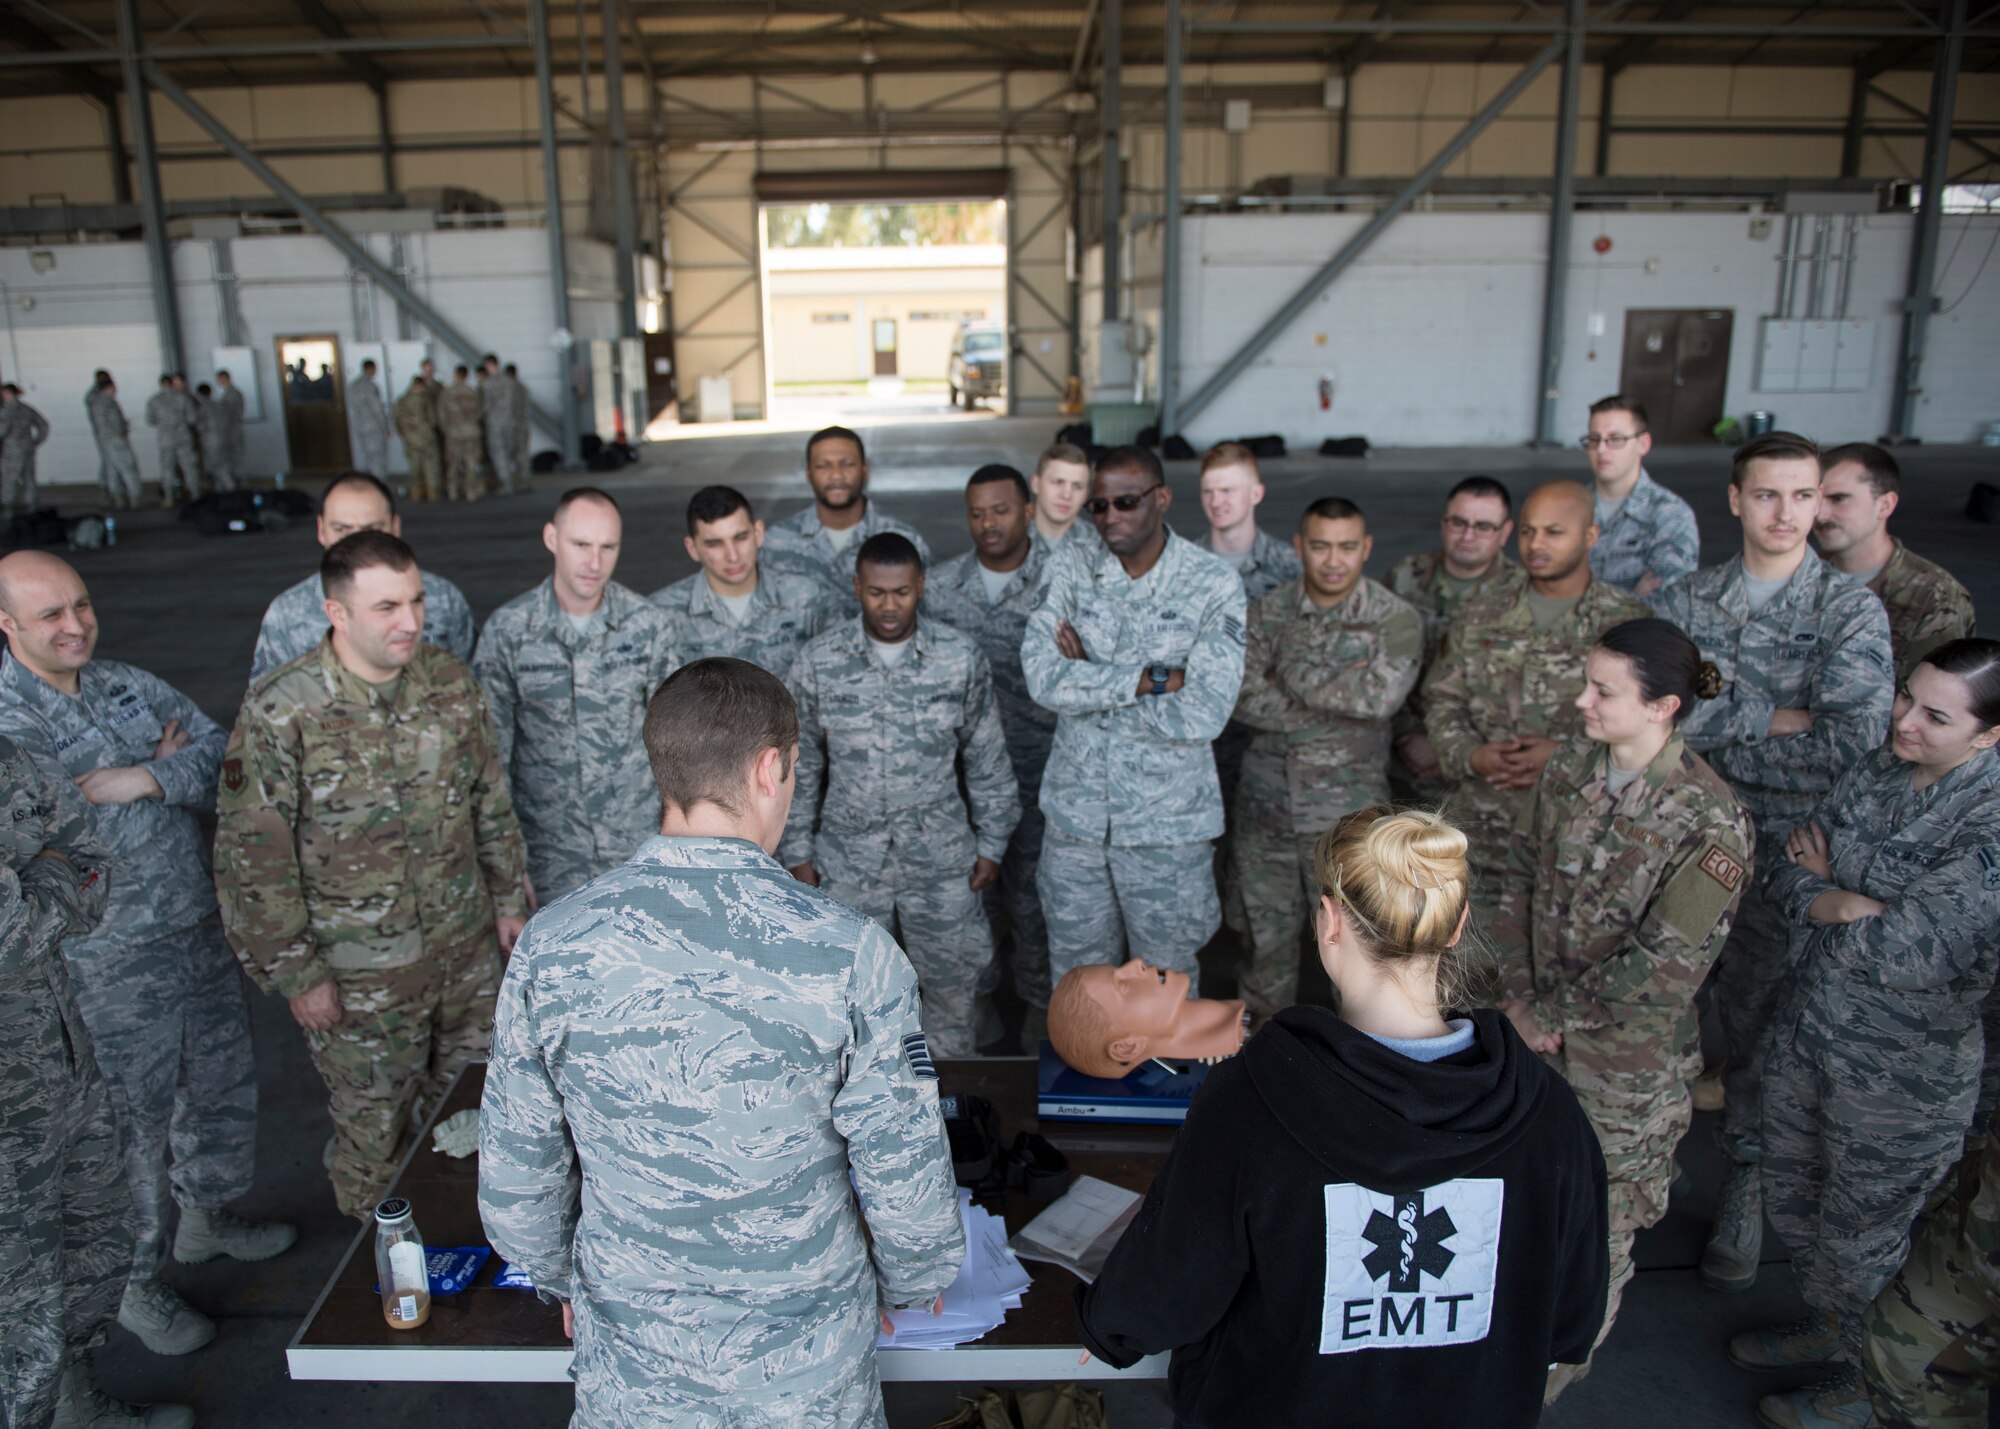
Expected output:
{"points": [[94, 309], [1432, 338]]}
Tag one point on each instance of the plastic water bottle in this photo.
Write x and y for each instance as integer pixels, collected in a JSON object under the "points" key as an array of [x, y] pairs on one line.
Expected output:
{"points": [[281, 481], [401, 1268], [110, 530]]}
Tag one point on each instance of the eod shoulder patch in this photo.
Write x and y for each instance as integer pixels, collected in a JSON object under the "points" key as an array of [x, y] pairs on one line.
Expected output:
{"points": [[1719, 866]]}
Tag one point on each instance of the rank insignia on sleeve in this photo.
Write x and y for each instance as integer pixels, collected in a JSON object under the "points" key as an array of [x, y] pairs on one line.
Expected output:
{"points": [[919, 1053], [1989, 863], [232, 775], [1722, 868]]}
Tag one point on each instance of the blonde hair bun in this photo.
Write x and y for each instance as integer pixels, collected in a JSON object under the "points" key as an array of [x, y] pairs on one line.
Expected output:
{"points": [[1401, 875], [1417, 849]]}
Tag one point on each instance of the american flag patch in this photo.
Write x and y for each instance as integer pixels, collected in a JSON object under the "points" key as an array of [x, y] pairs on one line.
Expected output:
{"points": [[919, 1053]]}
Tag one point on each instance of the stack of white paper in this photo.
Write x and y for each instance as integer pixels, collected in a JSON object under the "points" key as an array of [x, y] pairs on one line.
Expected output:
{"points": [[1078, 1231], [989, 1284]]}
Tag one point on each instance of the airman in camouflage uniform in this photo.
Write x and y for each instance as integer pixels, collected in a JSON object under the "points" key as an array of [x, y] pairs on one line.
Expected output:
{"points": [[1142, 673], [1330, 658], [1926, 607], [229, 410], [1814, 653], [1501, 678], [65, 1208], [1932, 1352], [1873, 1062], [568, 702], [497, 393], [736, 605], [367, 855], [956, 593], [890, 837], [22, 431], [416, 424], [1646, 534], [171, 412], [520, 428], [1611, 911], [155, 982], [1474, 531], [1268, 564], [123, 486], [803, 544], [458, 417], [368, 416], [213, 439], [724, 1271]]}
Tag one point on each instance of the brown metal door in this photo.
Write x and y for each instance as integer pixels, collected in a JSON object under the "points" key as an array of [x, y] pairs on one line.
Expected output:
{"points": [[315, 402], [1677, 364], [885, 347]]}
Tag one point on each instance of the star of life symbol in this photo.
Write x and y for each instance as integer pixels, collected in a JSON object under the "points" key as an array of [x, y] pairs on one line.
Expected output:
{"points": [[1410, 1269]]}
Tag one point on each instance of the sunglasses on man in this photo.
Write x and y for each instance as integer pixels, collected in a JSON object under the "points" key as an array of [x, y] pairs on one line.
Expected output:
{"points": [[1098, 505]]}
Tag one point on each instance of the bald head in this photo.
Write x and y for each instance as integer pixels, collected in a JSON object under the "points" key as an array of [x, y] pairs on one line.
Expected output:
{"points": [[1572, 498], [1557, 529], [46, 615]]}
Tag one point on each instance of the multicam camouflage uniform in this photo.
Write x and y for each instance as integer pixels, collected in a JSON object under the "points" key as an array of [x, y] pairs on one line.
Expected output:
{"points": [[1653, 533], [295, 622], [955, 593], [65, 1209], [369, 419], [1821, 644], [416, 423], [1612, 909], [1933, 1335], [173, 414], [367, 839], [122, 484], [800, 545], [458, 417], [155, 982], [889, 838], [722, 1047], [1873, 1063], [785, 611], [496, 421], [1424, 581], [569, 706], [1498, 677], [1926, 604], [1130, 792], [1319, 687], [22, 431]]}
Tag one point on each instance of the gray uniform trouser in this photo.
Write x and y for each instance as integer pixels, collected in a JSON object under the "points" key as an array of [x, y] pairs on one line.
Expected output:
{"points": [[1750, 976], [180, 458], [173, 1039], [1100, 899], [17, 483], [124, 486], [500, 455]]}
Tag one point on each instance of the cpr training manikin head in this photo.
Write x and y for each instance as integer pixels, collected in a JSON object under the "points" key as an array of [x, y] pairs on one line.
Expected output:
{"points": [[1106, 1020]]}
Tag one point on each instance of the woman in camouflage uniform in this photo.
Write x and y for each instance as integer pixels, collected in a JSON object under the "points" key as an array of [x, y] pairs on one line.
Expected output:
{"points": [[1622, 878], [1893, 891]]}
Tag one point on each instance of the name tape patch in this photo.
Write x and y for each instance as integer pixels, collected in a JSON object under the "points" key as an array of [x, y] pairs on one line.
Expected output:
{"points": [[1410, 1271], [1722, 868], [919, 1054]]}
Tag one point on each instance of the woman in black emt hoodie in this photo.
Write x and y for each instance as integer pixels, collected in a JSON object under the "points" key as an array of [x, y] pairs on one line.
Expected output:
{"points": [[1375, 1217]]}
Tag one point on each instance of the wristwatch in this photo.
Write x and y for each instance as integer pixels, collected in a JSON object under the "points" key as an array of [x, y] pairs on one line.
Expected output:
{"points": [[1158, 675]]}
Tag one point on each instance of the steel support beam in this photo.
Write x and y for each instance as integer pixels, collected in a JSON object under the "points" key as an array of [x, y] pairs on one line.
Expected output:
{"points": [[1359, 244], [1562, 205], [1607, 111], [1922, 295], [1110, 167], [352, 248], [1170, 234], [159, 257], [621, 166], [1857, 125], [387, 137], [545, 107], [1991, 156]]}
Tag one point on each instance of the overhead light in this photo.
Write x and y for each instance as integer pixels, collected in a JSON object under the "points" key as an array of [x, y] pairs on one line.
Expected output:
{"points": [[1079, 101], [867, 50]]}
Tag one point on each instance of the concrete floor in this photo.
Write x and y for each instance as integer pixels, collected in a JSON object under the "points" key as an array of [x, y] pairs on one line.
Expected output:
{"points": [[187, 607]]}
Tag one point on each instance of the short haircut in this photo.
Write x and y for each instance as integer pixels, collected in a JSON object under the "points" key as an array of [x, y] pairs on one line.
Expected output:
{"points": [[511, 370], [1619, 402], [222, 372], [1332, 508], [705, 725], [360, 478], [461, 371], [1482, 486], [16, 391], [367, 364], [889, 548], [1883, 476], [204, 389], [828, 434], [364, 550], [102, 376], [1230, 454], [715, 503], [584, 493], [1130, 458], [1773, 446], [492, 357], [1061, 451], [999, 471], [166, 379]]}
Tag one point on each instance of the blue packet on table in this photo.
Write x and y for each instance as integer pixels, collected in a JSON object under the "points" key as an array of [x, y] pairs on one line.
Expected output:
{"points": [[452, 1268], [512, 1277]]}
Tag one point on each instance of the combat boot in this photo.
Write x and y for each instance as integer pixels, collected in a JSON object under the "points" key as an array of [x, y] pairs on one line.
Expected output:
{"points": [[204, 1235], [82, 1405], [1839, 1402], [1736, 1240], [164, 1323], [1812, 1340]]}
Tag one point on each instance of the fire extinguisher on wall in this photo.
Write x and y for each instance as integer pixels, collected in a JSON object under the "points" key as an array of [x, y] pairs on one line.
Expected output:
{"points": [[1325, 393]]}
